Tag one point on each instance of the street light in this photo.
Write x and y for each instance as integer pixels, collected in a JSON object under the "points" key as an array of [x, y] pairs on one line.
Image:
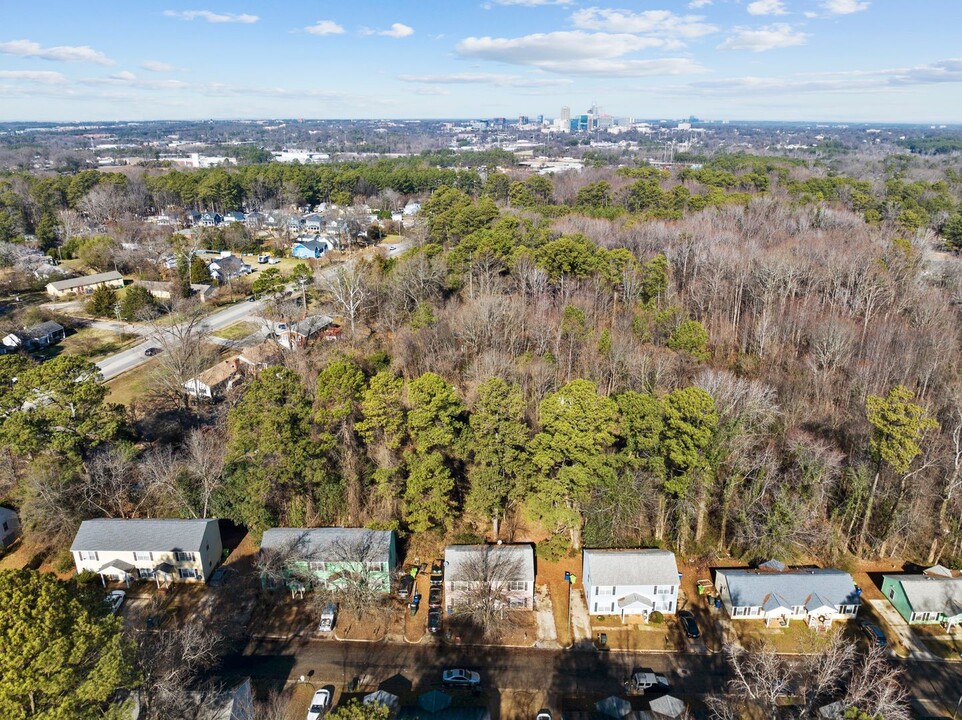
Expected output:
{"points": [[570, 578]]}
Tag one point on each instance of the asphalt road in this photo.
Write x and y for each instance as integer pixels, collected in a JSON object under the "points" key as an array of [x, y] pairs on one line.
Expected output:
{"points": [[114, 365], [559, 672]]}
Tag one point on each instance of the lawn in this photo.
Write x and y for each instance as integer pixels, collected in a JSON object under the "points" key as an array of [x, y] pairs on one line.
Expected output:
{"points": [[796, 638], [127, 387], [95, 344], [237, 331]]}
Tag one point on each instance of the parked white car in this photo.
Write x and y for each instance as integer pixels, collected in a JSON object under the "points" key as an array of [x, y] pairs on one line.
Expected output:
{"points": [[114, 599], [319, 704]]}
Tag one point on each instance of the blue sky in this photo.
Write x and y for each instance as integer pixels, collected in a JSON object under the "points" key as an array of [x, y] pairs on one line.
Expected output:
{"points": [[855, 60]]}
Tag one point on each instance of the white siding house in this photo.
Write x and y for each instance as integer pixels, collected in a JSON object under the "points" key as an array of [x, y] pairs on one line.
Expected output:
{"points": [[9, 527], [470, 570], [160, 550], [818, 596], [630, 582]]}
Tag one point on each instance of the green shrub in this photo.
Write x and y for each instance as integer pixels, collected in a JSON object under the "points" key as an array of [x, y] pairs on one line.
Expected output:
{"points": [[656, 618], [63, 563], [554, 548]]}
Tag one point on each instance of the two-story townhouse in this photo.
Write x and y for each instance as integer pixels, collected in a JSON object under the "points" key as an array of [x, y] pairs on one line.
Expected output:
{"points": [[475, 573], [310, 557], [630, 582], [164, 550]]}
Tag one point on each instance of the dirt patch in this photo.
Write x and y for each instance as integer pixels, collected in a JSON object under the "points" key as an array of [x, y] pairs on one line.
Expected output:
{"points": [[552, 575], [369, 627]]}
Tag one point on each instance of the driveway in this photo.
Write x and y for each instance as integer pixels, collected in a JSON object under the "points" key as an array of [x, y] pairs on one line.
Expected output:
{"points": [[901, 628]]}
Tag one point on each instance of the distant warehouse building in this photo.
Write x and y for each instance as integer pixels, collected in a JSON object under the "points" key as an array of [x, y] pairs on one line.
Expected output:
{"points": [[85, 285]]}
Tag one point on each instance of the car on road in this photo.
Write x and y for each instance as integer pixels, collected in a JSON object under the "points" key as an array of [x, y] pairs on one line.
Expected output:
{"points": [[114, 599], [319, 704], [459, 677], [874, 634], [251, 298], [434, 596], [688, 624], [392, 248], [543, 714], [437, 572], [405, 585], [434, 620], [151, 351]]}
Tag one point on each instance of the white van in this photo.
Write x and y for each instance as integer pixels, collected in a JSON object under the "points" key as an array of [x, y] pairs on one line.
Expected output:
{"points": [[328, 618]]}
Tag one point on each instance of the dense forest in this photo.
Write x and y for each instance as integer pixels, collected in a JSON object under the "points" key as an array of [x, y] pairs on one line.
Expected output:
{"points": [[754, 355]]}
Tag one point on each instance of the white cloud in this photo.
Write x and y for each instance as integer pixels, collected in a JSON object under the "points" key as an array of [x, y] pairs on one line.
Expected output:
{"points": [[767, 7], [430, 91], [60, 53], [770, 37], [647, 21], [695, 4], [213, 17], [128, 79], [124, 75], [398, 30], [845, 7], [46, 77], [603, 68], [568, 47], [324, 27], [157, 66]]}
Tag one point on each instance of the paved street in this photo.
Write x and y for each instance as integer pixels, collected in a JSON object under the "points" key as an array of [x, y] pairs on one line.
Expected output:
{"points": [[559, 672], [129, 359]]}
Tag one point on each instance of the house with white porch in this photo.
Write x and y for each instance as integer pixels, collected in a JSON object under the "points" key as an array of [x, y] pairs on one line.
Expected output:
{"points": [[778, 595], [165, 550], [473, 572], [630, 582]]}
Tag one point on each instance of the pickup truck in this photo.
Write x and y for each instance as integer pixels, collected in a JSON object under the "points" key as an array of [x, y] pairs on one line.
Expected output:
{"points": [[643, 679]]}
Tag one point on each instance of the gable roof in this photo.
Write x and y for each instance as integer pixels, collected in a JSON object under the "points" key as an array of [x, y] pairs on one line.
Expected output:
{"points": [[228, 263], [330, 542], [809, 588], [310, 325], [631, 567], [931, 594], [457, 559], [107, 535], [221, 372], [261, 354], [86, 280], [42, 330]]}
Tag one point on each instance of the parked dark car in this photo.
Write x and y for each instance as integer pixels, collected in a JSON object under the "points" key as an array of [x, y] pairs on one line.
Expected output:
{"points": [[434, 596], [874, 634], [437, 572], [151, 351], [405, 586], [688, 624], [434, 620]]}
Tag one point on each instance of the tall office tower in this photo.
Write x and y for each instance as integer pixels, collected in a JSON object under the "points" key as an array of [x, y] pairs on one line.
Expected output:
{"points": [[565, 115]]}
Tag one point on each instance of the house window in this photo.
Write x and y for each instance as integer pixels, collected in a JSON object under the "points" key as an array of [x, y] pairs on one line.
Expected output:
{"points": [[891, 593], [375, 566], [87, 555], [184, 556], [517, 585], [460, 586], [187, 574], [798, 610], [605, 591], [317, 565], [145, 573], [142, 556]]}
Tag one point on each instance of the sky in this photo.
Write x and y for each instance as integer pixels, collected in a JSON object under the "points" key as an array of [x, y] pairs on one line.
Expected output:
{"points": [[832, 60]]}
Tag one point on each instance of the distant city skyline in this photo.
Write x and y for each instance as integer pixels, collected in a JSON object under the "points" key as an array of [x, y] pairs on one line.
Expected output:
{"points": [[828, 60]]}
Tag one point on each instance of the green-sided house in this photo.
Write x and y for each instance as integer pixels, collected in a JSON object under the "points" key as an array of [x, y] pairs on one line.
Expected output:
{"points": [[934, 597], [319, 557]]}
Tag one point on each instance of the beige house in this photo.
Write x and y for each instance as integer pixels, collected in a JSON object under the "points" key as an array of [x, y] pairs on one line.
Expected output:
{"points": [[164, 550], [257, 357], [85, 285], [162, 290]]}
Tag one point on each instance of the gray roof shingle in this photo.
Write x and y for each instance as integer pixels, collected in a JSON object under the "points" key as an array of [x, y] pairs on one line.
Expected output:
{"points": [[520, 556], [751, 588], [144, 535], [87, 280], [631, 567], [331, 543]]}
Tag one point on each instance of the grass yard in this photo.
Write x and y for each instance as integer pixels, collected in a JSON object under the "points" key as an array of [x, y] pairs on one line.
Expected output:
{"points": [[95, 344], [237, 331], [131, 385], [796, 638]]}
